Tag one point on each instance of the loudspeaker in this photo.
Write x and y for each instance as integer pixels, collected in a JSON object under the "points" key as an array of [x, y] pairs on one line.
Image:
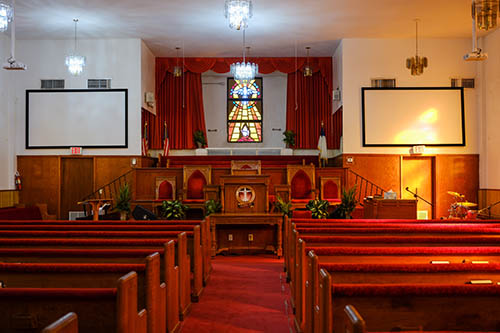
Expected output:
{"points": [[141, 213]]}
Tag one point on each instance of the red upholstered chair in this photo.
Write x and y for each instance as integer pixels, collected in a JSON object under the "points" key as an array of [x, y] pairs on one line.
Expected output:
{"points": [[302, 183], [196, 178], [330, 189]]}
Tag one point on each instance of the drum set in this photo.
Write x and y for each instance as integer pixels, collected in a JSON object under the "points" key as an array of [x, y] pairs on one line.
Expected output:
{"points": [[461, 208]]}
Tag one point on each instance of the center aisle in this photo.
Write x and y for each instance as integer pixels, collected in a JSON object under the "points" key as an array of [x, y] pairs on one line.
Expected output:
{"points": [[244, 294]]}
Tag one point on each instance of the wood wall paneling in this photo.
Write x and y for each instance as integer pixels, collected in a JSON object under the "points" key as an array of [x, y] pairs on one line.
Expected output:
{"points": [[41, 181], [108, 168], [488, 197], [418, 176], [146, 181], [77, 175], [9, 198]]}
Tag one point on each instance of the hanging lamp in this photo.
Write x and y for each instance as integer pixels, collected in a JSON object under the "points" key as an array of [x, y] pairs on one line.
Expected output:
{"points": [[416, 64], [307, 68], [244, 71], [485, 12], [6, 14], [177, 69], [238, 13], [75, 62]]}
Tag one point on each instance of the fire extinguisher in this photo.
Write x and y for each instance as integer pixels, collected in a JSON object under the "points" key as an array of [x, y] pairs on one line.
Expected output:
{"points": [[17, 181]]}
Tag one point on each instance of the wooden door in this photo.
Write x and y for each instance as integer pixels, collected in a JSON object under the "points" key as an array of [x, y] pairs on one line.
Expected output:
{"points": [[418, 176], [77, 177]]}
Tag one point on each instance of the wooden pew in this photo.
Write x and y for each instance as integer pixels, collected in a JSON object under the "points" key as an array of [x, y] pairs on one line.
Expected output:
{"points": [[445, 307], [99, 309], [183, 262], [66, 324], [151, 294]]}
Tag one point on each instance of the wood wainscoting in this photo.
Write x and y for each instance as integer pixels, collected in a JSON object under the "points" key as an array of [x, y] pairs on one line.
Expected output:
{"points": [[458, 173], [43, 177], [9, 198], [488, 197]]}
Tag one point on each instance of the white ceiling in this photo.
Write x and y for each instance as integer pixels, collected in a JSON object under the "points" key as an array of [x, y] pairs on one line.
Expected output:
{"points": [[277, 26]]}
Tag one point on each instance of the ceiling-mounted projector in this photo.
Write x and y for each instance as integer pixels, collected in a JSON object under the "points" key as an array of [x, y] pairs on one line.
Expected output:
{"points": [[476, 55], [13, 65]]}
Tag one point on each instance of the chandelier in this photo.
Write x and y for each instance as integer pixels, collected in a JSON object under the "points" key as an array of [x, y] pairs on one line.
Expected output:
{"points": [[238, 13], [244, 71], [75, 62], [6, 14], [177, 69], [485, 13], [307, 68], [416, 64]]}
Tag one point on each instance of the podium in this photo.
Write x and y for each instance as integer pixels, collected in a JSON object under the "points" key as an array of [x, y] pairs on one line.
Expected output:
{"points": [[245, 224], [390, 209]]}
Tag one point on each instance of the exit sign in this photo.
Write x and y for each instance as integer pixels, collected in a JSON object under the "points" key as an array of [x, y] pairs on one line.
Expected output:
{"points": [[76, 150]]}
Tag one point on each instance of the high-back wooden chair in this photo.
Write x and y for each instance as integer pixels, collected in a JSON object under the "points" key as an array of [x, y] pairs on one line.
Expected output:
{"points": [[195, 179], [251, 167], [330, 189], [165, 188], [301, 179]]}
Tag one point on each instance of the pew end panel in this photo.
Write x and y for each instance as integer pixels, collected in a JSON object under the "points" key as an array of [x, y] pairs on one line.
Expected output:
{"points": [[66, 324]]}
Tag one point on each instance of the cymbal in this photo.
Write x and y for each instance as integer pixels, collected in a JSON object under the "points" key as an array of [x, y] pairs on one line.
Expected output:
{"points": [[467, 204], [455, 194]]}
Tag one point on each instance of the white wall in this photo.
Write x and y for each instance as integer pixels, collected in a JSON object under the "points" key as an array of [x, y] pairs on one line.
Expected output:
{"points": [[338, 64], [489, 104], [215, 105], [115, 59], [7, 131], [364, 59], [148, 78]]}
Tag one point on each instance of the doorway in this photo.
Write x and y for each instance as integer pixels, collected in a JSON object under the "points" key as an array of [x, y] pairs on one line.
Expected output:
{"points": [[77, 181], [418, 177]]}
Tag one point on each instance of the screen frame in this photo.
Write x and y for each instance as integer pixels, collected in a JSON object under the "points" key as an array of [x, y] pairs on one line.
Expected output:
{"points": [[37, 91], [462, 115]]}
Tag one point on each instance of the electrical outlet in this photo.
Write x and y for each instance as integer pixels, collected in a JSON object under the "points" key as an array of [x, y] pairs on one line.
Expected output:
{"points": [[250, 237], [230, 237]]}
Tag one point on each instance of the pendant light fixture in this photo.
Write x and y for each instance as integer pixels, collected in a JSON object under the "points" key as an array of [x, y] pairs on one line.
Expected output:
{"points": [[75, 62], [238, 13], [307, 68], [416, 64], [485, 12], [6, 14], [177, 69], [244, 71], [12, 64]]}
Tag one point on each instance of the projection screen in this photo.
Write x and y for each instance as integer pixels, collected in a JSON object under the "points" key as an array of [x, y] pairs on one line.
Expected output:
{"points": [[413, 116], [88, 118]]}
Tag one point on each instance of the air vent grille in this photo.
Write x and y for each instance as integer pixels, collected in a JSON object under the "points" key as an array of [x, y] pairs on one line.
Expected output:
{"points": [[383, 83], [466, 83], [99, 84], [52, 84]]}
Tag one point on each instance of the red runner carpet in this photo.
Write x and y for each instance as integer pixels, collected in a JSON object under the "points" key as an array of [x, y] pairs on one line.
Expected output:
{"points": [[244, 294]]}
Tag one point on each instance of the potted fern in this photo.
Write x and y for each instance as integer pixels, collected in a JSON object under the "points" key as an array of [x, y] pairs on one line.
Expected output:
{"points": [[199, 139], [123, 201], [318, 208], [283, 207], [173, 210], [289, 138], [212, 206]]}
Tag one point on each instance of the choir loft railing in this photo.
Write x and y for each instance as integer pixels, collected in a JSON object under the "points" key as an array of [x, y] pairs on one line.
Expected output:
{"points": [[364, 187], [111, 190]]}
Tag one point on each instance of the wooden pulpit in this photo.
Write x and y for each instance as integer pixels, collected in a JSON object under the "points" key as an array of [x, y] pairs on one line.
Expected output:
{"points": [[245, 193]]}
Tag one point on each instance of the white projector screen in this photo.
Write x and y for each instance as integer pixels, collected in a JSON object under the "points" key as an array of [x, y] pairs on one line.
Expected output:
{"points": [[77, 118], [413, 116]]}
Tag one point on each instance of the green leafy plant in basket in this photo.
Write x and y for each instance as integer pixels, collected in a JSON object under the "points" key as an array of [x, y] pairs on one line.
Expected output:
{"points": [[199, 139], [212, 206], [318, 208], [283, 207], [173, 210], [123, 201], [289, 138], [347, 205]]}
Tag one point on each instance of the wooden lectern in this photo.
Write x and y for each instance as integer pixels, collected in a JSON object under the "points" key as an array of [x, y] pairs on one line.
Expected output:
{"points": [[245, 216]]}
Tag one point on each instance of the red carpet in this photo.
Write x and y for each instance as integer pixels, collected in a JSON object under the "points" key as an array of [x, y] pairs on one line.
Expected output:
{"points": [[244, 294]]}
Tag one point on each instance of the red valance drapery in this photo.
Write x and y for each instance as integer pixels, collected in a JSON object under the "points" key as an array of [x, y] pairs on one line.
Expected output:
{"points": [[266, 65]]}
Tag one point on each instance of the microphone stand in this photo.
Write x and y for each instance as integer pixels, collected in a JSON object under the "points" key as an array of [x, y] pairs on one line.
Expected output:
{"points": [[416, 196], [489, 208]]}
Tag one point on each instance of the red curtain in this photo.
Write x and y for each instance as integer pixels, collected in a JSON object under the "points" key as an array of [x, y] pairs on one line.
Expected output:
{"points": [[308, 104], [181, 109]]}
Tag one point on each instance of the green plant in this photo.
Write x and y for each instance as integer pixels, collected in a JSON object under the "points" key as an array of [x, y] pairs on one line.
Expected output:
{"points": [[283, 207], [199, 138], [289, 138], [173, 210], [318, 208], [347, 205], [123, 199], [212, 206]]}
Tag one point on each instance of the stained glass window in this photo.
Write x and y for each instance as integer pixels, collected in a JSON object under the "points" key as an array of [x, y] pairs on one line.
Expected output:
{"points": [[244, 110]]}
